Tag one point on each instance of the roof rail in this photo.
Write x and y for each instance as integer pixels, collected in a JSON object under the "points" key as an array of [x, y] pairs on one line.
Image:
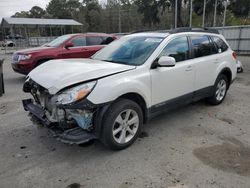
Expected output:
{"points": [[190, 29]]}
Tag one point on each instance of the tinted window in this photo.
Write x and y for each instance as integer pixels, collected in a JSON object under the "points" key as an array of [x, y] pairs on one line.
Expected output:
{"points": [[221, 45], [213, 49], [177, 48], [94, 41], [80, 41], [202, 46]]}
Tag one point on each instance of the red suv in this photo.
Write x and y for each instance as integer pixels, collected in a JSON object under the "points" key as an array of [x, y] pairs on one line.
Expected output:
{"points": [[66, 46]]}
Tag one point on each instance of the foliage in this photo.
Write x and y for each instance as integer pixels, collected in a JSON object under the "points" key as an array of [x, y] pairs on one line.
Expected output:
{"points": [[139, 14], [63, 8], [240, 7]]}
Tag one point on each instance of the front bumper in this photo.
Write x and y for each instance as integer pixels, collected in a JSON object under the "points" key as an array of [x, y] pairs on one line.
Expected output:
{"points": [[75, 135], [21, 68]]}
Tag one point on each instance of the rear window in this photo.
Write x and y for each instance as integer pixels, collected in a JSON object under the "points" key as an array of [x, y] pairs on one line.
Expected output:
{"points": [[202, 46], [220, 44]]}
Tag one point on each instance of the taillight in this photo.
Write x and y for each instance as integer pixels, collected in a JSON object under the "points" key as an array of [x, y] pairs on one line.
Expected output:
{"points": [[234, 55]]}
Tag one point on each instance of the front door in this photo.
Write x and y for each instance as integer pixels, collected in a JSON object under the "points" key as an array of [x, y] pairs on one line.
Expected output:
{"points": [[79, 49], [172, 83]]}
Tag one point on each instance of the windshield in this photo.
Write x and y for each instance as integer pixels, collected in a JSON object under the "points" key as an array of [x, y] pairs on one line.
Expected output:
{"points": [[58, 41], [130, 50]]}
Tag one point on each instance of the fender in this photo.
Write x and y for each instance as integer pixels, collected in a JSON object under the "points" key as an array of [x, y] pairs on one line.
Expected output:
{"points": [[134, 81], [228, 72]]}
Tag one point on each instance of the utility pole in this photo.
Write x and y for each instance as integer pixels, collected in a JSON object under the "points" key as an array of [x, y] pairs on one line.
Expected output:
{"points": [[225, 12], [119, 17], [204, 12], [215, 12], [175, 15], [191, 11]]}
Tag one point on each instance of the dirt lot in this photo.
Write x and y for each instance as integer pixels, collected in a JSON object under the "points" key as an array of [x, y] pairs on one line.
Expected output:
{"points": [[195, 146]]}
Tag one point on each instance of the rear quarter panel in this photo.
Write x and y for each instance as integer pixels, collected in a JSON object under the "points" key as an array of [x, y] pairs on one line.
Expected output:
{"points": [[226, 61]]}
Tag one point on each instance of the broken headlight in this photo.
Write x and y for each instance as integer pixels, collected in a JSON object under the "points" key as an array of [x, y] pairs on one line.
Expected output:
{"points": [[76, 93]]}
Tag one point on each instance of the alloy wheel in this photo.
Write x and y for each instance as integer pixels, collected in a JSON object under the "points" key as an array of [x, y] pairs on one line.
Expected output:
{"points": [[221, 90], [125, 126]]}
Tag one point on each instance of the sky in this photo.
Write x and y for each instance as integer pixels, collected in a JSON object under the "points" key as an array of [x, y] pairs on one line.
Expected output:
{"points": [[10, 7]]}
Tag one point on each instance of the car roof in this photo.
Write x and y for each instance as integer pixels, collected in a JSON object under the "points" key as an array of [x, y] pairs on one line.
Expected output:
{"points": [[88, 34], [151, 34]]}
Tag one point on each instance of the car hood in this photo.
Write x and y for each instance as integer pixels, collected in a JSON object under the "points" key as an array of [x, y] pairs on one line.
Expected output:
{"points": [[33, 50], [55, 75]]}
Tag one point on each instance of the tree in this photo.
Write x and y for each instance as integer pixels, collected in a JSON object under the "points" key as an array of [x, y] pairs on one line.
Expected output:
{"points": [[150, 10], [240, 8], [37, 12], [22, 14], [92, 14], [63, 8]]}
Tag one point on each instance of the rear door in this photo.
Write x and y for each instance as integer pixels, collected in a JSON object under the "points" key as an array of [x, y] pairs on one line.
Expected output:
{"points": [[206, 60]]}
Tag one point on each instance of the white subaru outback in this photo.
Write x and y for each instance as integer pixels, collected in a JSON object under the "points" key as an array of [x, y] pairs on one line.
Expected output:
{"points": [[111, 95]]}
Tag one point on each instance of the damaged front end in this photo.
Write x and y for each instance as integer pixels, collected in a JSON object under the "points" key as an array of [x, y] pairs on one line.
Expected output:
{"points": [[68, 115]]}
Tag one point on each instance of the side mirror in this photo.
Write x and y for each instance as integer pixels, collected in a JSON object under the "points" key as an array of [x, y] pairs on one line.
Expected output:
{"points": [[68, 45], [166, 61]]}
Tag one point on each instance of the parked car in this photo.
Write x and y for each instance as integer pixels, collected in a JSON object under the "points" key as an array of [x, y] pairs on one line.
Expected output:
{"points": [[135, 78], [66, 46], [8, 43], [239, 67]]}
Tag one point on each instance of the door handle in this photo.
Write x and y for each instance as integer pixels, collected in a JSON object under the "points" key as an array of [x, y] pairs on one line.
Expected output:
{"points": [[84, 49], [189, 68]]}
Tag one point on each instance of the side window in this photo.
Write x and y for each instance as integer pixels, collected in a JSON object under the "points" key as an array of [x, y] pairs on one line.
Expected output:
{"points": [[202, 46], [79, 41], [221, 45], [94, 41], [177, 48]]}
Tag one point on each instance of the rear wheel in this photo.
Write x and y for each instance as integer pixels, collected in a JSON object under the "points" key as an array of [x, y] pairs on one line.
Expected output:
{"points": [[122, 124], [220, 90]]}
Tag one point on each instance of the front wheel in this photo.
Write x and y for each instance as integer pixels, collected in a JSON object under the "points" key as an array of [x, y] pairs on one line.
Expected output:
{"points": [[122, 124], [220, 90]]}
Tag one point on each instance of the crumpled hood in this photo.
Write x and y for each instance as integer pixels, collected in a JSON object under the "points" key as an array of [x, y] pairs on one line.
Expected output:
{"points": [[55, 75]]}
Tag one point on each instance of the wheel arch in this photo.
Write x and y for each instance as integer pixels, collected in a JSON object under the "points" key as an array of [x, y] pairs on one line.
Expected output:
{"points": [[228, 73], [137, 98]]}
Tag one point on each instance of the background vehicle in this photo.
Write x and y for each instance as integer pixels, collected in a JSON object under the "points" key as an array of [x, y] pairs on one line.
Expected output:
{"points": [[239, 67], [8, 43], [133, 79], [66, 46]]}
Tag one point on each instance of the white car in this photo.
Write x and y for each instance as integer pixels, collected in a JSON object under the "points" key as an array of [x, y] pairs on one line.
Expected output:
{"points": [[110, 96], [8, 43]]}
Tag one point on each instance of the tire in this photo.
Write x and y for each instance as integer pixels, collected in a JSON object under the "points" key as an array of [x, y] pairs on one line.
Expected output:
{"points": [[220, 90], [117, 132]]}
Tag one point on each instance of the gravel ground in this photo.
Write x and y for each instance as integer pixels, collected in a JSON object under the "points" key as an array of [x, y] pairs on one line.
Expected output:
{"points": [[195, 146]]}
